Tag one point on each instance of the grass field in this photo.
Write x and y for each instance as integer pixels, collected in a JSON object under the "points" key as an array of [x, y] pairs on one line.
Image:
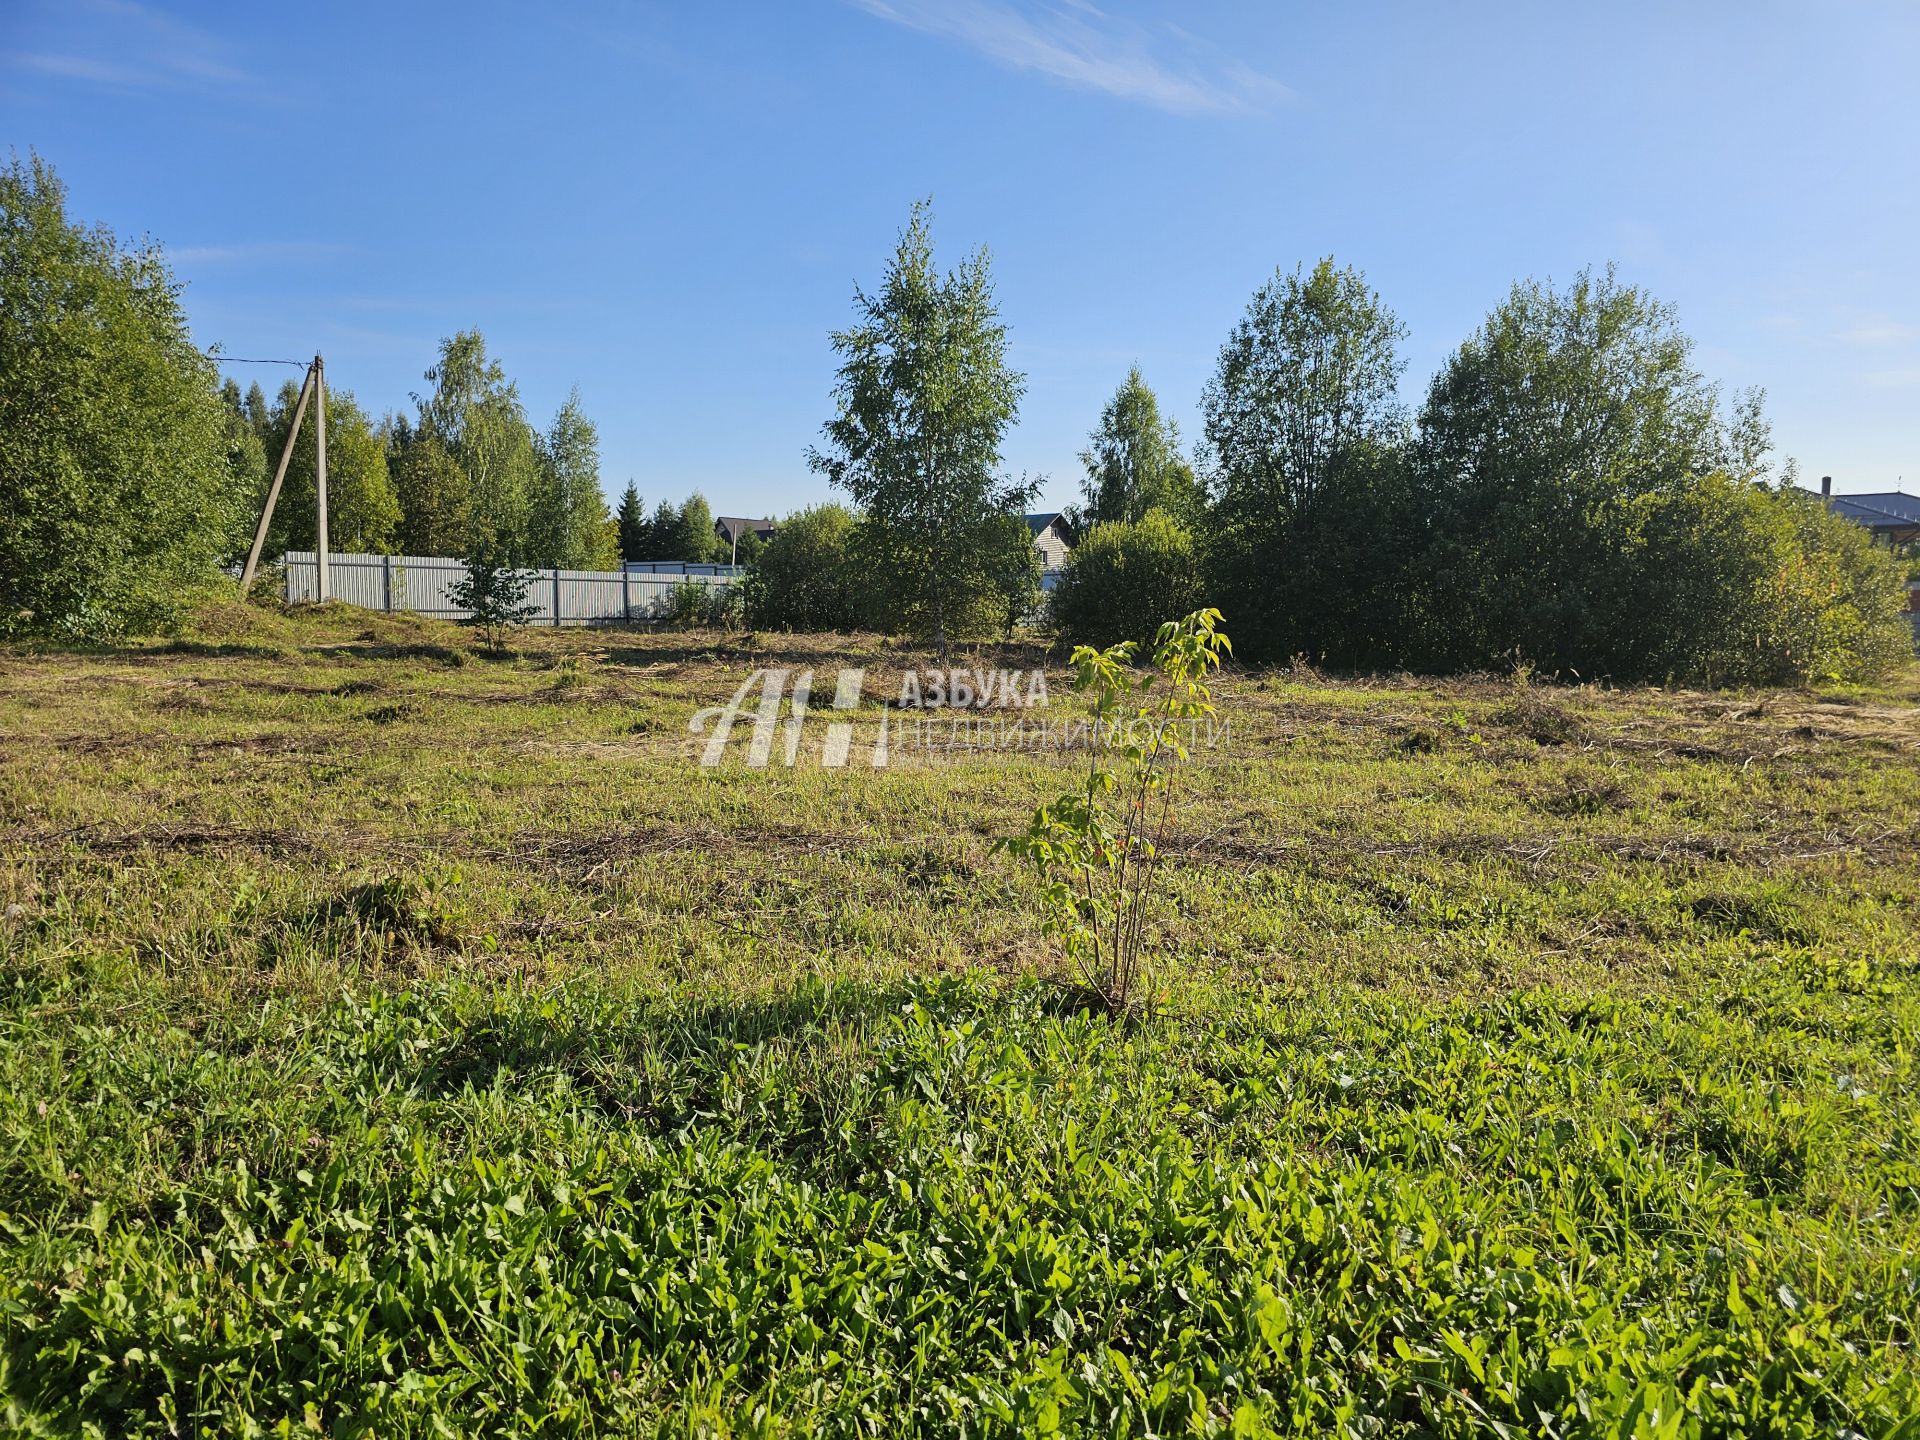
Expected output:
{"points": [[399, 1041]]}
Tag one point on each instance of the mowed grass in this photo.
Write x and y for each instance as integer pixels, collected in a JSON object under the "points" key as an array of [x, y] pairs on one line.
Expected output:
{"points": [[397, 1041]]}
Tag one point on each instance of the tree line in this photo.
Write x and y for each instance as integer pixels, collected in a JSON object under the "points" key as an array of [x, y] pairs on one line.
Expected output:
{"points": [[1572, 494], [466, 474], [130, 473], [1571, 491]]}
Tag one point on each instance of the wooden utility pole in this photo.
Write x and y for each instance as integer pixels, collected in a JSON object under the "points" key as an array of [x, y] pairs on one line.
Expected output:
{"points": [[323, 590], [273, 490]]}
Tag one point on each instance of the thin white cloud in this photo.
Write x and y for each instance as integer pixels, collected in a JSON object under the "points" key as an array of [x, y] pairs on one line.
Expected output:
{"points": [[1076, 44], [1878, 330], [122, 45], [254, 250], [1904, 378]]}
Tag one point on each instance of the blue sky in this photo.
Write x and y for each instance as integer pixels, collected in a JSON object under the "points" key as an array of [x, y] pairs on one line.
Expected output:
{"points": [[669, 205]]}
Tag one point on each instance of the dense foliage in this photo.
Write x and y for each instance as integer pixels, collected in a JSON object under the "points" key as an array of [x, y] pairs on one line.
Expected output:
{"points": [[363, 508], [1124, 578], [683, 532], [116, 497], [804, 578], [1307, 385], [923, 398], [1573, 494], [1133, 462], [934, 1209]]}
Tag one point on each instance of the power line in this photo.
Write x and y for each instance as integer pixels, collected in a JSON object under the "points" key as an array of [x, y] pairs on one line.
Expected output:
{"points": [[242, 360]]}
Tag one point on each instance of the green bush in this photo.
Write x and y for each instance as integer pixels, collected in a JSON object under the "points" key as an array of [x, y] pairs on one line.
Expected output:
{"points": [[694, 605], [802, 579], [114, 479], [1730, 582], [1123, 579]]}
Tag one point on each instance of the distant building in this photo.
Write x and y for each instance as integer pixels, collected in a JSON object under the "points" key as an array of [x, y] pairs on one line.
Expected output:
{"points": [[1892, 515], [732, 529], [1052, 537]]}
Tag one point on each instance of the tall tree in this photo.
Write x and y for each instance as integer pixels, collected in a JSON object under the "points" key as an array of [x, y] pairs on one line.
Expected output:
{"points": [[116, 491], [1312, 369], [259, 413], [1536, 441], [363, 513], [567, 515], [633, 525], [1133, 461], [663, 532], [432, 489], [246, 465], [1305, 429], [691, 535], [475, 412], [923, 397]]}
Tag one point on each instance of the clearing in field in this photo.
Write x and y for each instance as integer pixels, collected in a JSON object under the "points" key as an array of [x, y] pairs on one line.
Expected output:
{"points": [[399, 1041]]}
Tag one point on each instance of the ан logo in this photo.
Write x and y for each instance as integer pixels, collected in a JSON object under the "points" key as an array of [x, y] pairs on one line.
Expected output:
{"points": [[919, 690], [767, 722]]}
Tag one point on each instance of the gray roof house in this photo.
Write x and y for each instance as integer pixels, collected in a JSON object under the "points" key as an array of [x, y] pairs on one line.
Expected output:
{"points": [[1052, 537], [1891, 515], [732, 529]]}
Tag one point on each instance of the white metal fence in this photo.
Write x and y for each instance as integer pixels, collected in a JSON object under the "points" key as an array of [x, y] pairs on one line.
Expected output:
{"points": [[420, 584]]}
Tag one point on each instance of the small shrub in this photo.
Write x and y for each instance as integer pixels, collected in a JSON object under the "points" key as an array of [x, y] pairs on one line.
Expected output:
{"points": [[692, 605], [1097, 848], [496, 595]]}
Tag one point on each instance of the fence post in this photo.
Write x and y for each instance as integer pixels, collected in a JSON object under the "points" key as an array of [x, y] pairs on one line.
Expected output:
{"points": [[386, 583], [626, 596], [556, 597]]}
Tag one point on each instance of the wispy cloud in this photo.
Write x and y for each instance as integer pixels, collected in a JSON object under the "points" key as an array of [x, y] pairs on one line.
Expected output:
{"points": [[255, 250], [1878, 330], [1077, 44], [1903, 378], [121, 45]]}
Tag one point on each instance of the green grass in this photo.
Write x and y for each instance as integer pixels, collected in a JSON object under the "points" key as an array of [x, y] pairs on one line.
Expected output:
{"points": [[395, 1041]]}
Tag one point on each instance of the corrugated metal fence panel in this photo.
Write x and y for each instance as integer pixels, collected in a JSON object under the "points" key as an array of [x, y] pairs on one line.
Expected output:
{"points": [[420, 584]]}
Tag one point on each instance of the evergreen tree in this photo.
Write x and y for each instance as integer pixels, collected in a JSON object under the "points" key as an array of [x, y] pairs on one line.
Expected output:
{"points": [[433, 492], [633, 525], [693, 538], [662, 531]]}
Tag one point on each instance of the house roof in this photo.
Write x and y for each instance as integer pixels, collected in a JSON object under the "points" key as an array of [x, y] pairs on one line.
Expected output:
{"points": [[1879, 510], [732, 527], [1041, 520], [1878, 507]]}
